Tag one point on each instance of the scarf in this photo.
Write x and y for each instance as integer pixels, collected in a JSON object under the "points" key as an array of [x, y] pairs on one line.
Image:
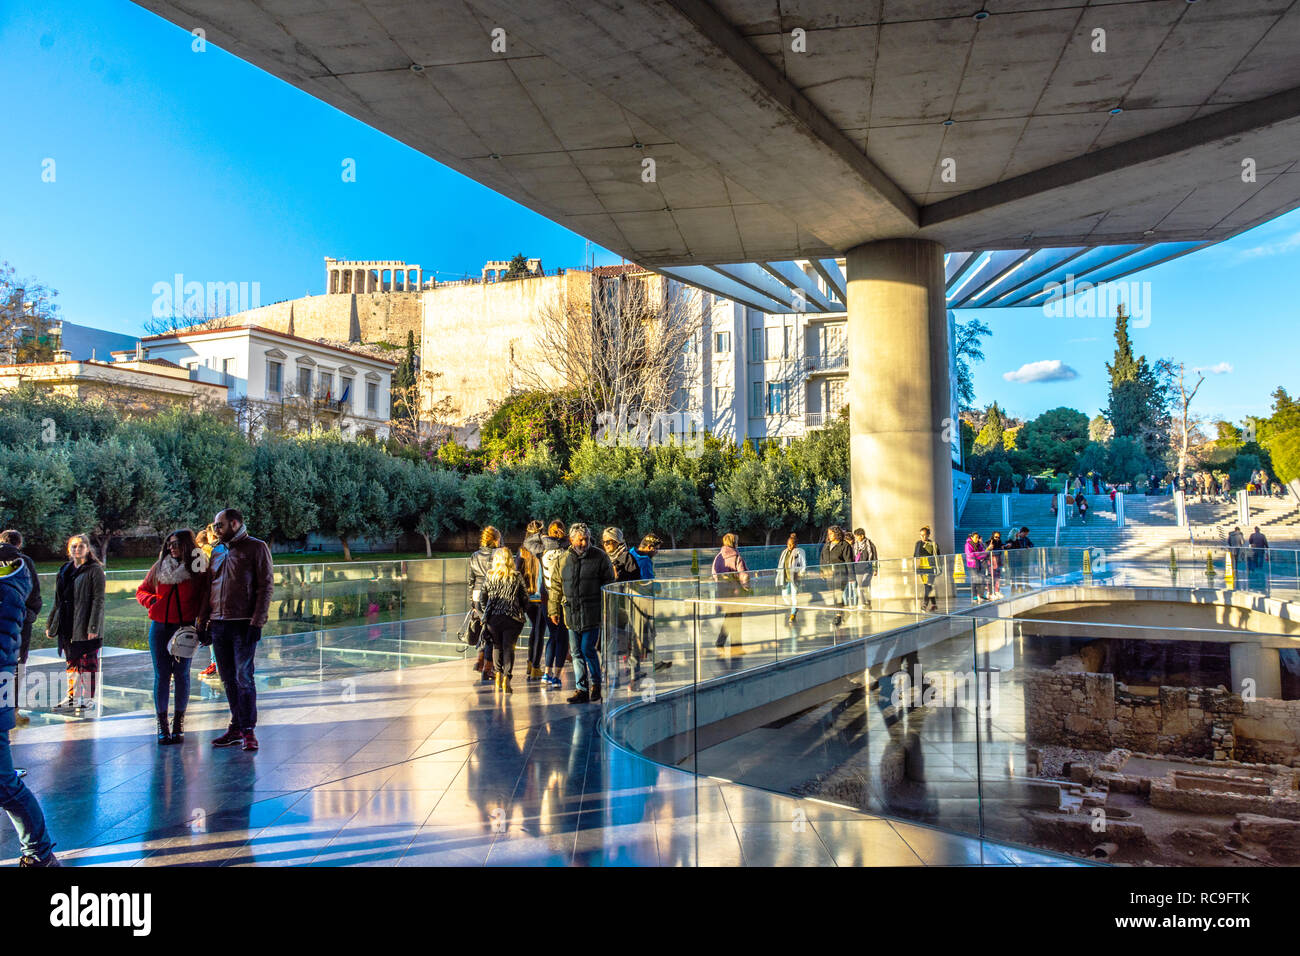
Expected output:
{"points": [[171, 571]]}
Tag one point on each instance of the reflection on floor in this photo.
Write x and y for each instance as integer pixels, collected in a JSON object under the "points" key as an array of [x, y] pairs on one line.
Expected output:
{"points": [[422, 767]]}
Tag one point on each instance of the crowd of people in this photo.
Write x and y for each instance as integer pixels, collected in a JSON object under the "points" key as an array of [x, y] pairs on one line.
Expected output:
{"points": [[985, 561], [553, 583]]}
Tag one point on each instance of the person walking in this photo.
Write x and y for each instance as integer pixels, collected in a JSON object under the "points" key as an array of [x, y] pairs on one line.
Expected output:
{"points": [[1081, 505], [172, 593], [731, 577], [1258, 545], [576, 595], [836, 558], [1236, 547], [505, 605], [976, 557], [480, 564], [234, 611], [15, 798], [76, 621], [864, 566], [34, 605], [926, 553], [557, 640], [995, 562], [643, 620], [789, 573]]}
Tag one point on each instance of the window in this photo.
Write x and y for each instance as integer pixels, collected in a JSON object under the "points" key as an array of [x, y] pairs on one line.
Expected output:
{"points": [[773, 343], [756, 399], [834, 397], [345, 393], [756, 345], [775, 398], [304, 381], [372, 398], [274, 377], [722, 342], [789, 341], [325, 384], [834, 338]]}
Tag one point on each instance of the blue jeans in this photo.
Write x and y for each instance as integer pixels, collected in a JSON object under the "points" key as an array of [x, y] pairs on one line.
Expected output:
{"points": [[586, 661], [557, 644], [166, 669], [234, 650], [19, 802]]}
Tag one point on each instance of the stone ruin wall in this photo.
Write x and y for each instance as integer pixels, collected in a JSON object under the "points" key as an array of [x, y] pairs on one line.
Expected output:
{"points": [[1088, 711], [380, 317]]}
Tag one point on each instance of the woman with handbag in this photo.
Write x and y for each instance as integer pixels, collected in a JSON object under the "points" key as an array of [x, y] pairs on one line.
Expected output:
{"points": [[172, 592], [76, 621]]}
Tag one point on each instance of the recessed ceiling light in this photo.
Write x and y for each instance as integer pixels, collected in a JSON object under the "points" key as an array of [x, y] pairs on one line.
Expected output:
{"points": [[417, 68], [1116, 111], [494, 155], [638, 145], [982, 15], [947, 122], [1148, 232]]}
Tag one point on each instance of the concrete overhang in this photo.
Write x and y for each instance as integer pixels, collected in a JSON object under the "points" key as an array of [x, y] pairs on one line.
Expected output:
{"points": [[802, 128]]}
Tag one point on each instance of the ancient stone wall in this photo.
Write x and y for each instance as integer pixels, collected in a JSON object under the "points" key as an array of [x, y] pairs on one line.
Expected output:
{"points": [[1088, 711], [485, 338], [368, 317], [1268, 731]]}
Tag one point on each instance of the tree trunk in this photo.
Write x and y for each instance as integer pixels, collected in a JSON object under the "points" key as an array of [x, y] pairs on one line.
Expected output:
{"points": [[101, 542], [428, 545], [768, 540], [347, 552]]}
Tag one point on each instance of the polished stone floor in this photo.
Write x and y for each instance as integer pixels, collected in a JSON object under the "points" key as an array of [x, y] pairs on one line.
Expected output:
{"points": [[423, 767]]}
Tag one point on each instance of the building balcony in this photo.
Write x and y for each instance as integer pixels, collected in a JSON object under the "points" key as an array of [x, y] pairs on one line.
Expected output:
{"points": [[819, 419], [823, 362]]}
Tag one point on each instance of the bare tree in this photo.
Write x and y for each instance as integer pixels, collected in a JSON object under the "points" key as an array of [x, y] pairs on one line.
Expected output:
{"points": [[623, 347], [1186, 427], [416, 413], [27, 315]]}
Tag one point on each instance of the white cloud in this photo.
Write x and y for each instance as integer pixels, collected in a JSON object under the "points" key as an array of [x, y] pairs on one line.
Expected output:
{"points": [[1048, 370], [1223, 368], [1282, 246]]}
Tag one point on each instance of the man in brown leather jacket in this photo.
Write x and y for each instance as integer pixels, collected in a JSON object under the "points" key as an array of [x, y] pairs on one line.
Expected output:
{"points": [[234, 611]]}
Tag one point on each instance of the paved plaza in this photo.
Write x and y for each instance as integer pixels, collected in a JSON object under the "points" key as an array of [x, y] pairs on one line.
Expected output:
{"points": [[423, 767]]}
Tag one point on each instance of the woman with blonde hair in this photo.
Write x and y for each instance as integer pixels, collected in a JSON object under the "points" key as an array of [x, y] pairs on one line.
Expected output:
{"points": [[209, 542], [76, 621], [505, 607]]}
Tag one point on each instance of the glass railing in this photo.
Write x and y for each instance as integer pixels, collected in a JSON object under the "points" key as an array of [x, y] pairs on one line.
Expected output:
{"points": [[1130, 741]]}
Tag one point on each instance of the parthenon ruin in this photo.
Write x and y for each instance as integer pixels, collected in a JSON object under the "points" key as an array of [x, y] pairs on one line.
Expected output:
{"points": [[372, 275]]}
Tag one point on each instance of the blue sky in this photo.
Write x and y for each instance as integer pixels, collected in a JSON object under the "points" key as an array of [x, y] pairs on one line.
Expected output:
{"points": [[168, 161]]}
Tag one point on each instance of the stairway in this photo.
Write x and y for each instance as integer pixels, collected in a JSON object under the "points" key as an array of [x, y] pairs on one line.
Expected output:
{"points": [[1150, 528]]}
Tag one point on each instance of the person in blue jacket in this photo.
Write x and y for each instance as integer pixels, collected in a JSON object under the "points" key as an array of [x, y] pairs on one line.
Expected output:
{"points": [[15, 799]]}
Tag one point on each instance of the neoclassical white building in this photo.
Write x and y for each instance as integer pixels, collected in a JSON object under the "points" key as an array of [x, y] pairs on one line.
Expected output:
{"points": [[267, 371]]}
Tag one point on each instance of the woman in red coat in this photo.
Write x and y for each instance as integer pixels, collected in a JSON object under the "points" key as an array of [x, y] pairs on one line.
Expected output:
{"points": [[172, 592]]}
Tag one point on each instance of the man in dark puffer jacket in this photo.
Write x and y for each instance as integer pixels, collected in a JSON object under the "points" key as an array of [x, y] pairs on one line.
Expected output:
{"points": [[15, 798], [575, 595]]}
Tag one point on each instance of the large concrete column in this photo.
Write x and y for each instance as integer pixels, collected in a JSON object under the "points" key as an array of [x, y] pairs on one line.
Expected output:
{"points": [[1263, 665], [899, 394]]}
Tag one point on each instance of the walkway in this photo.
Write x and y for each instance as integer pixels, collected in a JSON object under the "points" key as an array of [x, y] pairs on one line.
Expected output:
{"points": [[420, 767]]}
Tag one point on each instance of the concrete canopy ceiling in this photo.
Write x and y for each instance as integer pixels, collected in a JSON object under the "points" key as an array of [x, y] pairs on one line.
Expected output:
{"points": [[762, 152]]}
